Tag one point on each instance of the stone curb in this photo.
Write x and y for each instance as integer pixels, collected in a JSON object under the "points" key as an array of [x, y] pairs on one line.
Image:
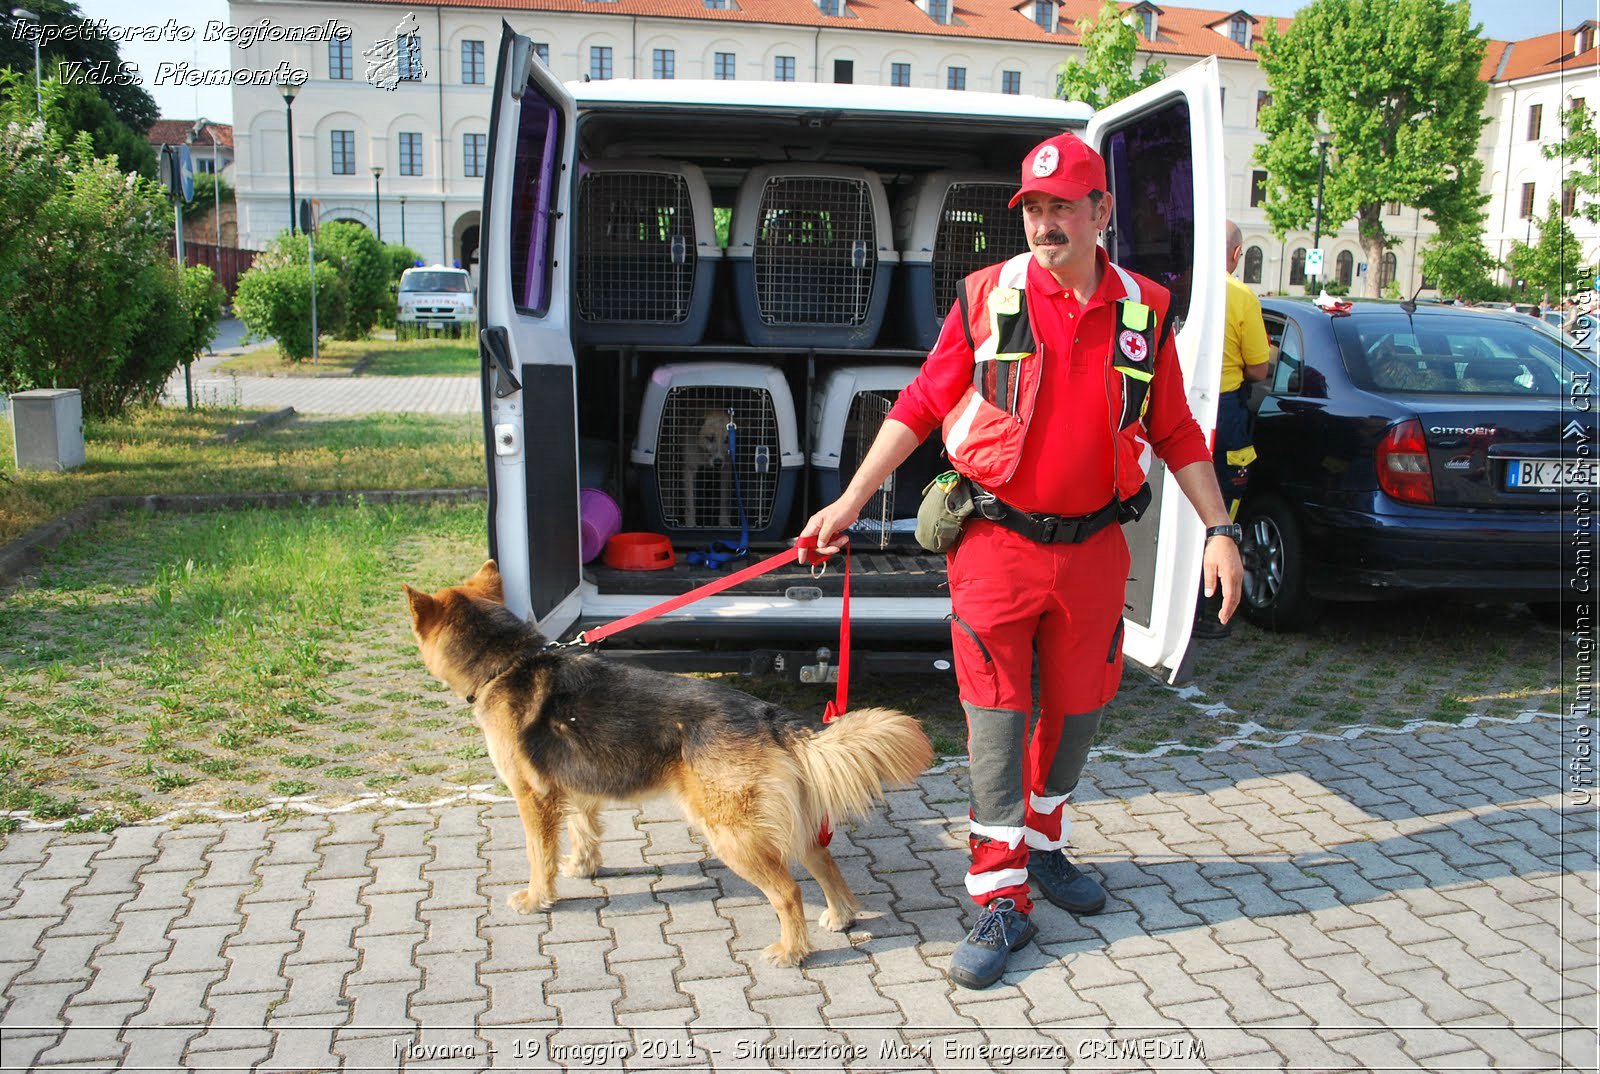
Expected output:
{"points": [[20, 555], [241, 429]]}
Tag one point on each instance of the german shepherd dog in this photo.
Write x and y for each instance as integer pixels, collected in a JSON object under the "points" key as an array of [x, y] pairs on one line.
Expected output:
{"points": [[568, 731]]}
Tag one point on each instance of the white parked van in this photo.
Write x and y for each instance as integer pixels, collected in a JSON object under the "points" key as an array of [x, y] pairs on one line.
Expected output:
{"points": [[700, 297], [436, 296]]}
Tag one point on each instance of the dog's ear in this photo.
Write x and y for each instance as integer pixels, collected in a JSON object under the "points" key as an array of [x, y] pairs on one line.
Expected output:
{"points": [[424, 610], [486, 583]]}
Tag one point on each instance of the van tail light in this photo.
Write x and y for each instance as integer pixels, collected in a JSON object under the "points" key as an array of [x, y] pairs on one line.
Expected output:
{"points": [[1403, 470]]}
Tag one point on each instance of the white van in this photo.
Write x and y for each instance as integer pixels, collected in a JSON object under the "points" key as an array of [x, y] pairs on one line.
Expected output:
{"points": [[601, 371], [436, 296]]}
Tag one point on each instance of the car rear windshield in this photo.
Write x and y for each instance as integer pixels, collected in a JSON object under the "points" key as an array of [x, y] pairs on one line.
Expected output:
{"points": [[435, 281], [1465, 355]]}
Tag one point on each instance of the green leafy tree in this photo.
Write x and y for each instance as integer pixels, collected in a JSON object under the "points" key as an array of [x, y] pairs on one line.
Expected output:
{"points": [[1393, 85], [116, 115], [1105, 74], [202, 308], [1579, 153], [1553, 265], [1459, 264], [95, 300]]}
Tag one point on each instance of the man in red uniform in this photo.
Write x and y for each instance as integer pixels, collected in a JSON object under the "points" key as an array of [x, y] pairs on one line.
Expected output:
{"points": [[1055, 380]]}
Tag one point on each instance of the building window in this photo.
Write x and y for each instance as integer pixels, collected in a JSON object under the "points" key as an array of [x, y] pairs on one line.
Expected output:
{"points": [[205, 164], [783, 69], [1388, 268], [1222, 100], [1527, 201], [1258, 188], [344, 152], [1252, 265], [844, 70], [1535, 121], [939, 10], [717, 5], [1147, 24], [830, 7], [1011, 82], [899, 74], [599, 62], [541, 49], [472, 63], [474, 152], [1344, 267], [722, 65], [1297, 268], [956, 78], [410, 153], [1392, 208], [1263, 100], [663, 63], [1043, 14], [1239, 32], [1569, 199], [340, 66], [408, 49]]}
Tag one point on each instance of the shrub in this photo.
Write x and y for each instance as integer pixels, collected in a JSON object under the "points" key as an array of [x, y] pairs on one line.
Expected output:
{"points": [[202, 307], [363, 267], [96, 303], [274, 299]]}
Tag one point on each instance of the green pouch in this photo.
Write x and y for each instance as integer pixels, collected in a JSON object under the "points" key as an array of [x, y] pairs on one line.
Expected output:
{"points": [[946, 503]]}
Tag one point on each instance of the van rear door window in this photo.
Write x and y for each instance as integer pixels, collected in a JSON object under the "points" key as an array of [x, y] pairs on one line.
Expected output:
{"points": [[1152, 179], [536, 182]]}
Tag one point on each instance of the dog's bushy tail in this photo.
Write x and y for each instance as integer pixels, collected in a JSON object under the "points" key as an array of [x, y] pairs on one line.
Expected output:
{"points": [[844, 767]]}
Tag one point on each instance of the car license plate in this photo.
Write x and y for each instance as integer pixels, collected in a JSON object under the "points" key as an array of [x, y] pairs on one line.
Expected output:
{"points": [[1527, 475]]}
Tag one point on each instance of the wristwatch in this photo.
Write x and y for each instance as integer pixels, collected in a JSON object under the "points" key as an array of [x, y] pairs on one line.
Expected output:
{"points": [[1232, 529]]}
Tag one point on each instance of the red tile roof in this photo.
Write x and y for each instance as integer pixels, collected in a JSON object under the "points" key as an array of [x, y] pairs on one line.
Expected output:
{"points": [[176, 131], [1180, 31], [1546, 54]]}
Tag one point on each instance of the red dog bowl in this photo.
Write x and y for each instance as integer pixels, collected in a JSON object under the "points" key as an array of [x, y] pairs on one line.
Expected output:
{"points": [[638, 552]]}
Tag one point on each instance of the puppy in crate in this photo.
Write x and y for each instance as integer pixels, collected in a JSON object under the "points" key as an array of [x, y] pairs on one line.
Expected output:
{"points": [[706, 476]]}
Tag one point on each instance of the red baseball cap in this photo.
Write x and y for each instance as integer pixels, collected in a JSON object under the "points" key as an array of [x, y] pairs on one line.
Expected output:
{"points": [[1063, 166]]}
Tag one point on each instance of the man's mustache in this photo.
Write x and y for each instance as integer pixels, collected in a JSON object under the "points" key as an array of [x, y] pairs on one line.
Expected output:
{"points": [[1058, 237]]}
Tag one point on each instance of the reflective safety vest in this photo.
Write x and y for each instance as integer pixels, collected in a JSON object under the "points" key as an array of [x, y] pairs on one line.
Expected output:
{"points": [[984, 432]]}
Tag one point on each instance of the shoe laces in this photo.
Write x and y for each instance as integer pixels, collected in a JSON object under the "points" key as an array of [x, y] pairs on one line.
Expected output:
{"points": [[1055, 863], [992, 925]]}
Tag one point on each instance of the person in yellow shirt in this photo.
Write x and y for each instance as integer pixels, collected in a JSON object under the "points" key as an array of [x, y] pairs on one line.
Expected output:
{"points": [[1244, 361]]}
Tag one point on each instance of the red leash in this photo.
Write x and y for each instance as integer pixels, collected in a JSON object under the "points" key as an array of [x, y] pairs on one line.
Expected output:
{"points": [[841, 698]]}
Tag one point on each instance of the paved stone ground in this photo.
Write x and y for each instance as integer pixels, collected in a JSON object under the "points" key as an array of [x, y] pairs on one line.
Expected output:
{"points": [[1388, 902]]}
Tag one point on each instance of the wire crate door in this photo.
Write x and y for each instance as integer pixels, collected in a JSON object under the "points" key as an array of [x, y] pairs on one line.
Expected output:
{"points": [[868, 410], [636, 248], [694, 471], [976, 228], [816, 252]]}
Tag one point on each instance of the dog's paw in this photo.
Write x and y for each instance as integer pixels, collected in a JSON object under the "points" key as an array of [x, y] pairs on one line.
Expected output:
{"points": [[779, 955], [581, 866], [836, 922], [524, 901]]}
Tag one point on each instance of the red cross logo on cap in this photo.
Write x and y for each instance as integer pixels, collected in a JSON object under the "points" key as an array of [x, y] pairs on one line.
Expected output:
{"points": [[1132, 345], [1045, 162]]}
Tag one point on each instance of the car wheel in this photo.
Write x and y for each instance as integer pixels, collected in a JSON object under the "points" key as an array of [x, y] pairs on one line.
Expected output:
{"points": [[1275, 596]]}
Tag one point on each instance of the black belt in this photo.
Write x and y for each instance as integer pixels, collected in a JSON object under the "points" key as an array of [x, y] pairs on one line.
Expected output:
{"points": [[1045, 529]]}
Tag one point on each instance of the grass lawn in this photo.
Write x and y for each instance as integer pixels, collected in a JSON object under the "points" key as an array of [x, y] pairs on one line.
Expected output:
{"points": [[169, 450], [434, 356]]}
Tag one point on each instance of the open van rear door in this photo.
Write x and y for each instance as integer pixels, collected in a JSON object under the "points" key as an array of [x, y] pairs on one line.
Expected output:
{"points": [[525, 347], [1163, 153]]}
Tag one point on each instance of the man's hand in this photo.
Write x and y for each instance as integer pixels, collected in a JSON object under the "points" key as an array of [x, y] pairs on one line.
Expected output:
{"points": [[1223, 564], [827, 524]]}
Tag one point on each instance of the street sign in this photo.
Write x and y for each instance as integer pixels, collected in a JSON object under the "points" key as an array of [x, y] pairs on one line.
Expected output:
{"points": [[310, 213], [177, 171], [1314, 263]]}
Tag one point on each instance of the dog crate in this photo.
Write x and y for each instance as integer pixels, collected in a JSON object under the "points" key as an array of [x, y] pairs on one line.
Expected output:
{"points": [[951, 224], [647, 253], [687, 474], [846, 413], [812, 255]]}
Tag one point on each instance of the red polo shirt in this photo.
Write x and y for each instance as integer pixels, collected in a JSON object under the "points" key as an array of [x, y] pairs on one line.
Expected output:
{"points": [[1067, 459]]}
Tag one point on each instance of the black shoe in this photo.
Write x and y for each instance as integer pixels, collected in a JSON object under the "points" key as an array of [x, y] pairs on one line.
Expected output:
{"points": [[1210, 628], [1060, 881], [980, 960]]}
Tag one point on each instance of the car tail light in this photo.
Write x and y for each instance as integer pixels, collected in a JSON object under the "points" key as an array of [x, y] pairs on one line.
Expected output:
{"points": [[1403, 470]]}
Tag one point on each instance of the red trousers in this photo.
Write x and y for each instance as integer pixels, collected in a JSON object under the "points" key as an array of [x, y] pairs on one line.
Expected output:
{"points": [[1014, 600]]}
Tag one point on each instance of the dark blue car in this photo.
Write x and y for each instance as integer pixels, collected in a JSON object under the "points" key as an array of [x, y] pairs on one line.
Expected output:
{"points": [[1407, 451]]}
